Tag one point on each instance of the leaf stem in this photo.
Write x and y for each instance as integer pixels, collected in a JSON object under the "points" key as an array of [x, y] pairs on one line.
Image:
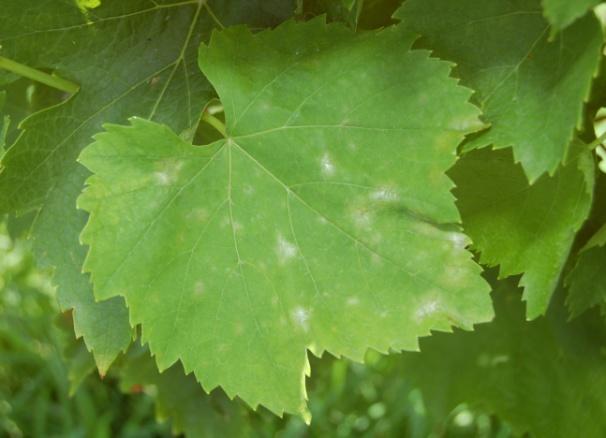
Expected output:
{"points": [[598, 141], [215, 123], [37, 75]]}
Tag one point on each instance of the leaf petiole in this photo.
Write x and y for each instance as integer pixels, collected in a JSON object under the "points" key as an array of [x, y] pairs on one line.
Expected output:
{"points": [[597, 142], [37, 75], [214, 122]]}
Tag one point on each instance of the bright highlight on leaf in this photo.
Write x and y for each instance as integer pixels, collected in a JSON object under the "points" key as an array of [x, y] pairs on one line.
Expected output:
{"points": [[319, 223], [531, 89]]}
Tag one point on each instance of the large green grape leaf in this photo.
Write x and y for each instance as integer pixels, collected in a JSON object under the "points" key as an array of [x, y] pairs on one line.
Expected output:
{"points": [[524, 229], [586, 284], [561, 13], [546, 377], [319, 222], [531, 89], [130, 58]]}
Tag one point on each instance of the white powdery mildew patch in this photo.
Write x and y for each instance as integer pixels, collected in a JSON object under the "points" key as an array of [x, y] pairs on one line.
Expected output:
{"points": [[361, 218], [300, 316], [199, 288], [238, 227], [225, 221], [427, 309], [454, 276], [162, 178], [486, 360], [238, 329], [376, 259], [275, 301], [285, 250], [425, 229], [327, 166], [352, 301], [376, 238], [458, 240], [169, 173], [384, 194], [248, 190], [465, 124], [198, 215]]}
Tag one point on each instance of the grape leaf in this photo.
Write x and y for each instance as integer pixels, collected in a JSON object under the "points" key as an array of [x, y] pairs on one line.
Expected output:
{"points": [[345, 11], [524, 229], [237, 256], [180, 399], [546, 377], [586, 289], [129, 58], [531, 89], [561, 13], [357, 14]]}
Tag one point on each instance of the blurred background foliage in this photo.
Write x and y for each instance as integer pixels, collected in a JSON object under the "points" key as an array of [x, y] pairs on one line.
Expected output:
{"points": [[41, 365]]}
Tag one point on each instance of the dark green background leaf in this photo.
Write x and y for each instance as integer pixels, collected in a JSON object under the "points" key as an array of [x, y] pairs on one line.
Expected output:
{"points": [[530, 89]]}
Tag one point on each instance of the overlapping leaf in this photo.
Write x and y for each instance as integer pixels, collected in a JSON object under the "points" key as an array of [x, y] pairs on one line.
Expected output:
{"points": [[587, 287], [561, 13], [546, 377], [319, 222], [531, 89], [525, 229], [129, 58]]}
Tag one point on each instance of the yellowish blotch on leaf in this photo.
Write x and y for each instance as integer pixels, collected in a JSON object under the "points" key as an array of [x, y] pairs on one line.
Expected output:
{"points": [[88, 4]]}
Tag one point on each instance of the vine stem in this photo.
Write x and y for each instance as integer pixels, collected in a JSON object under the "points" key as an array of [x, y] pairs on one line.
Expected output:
{"points": [[39, 76], [215, 123]]}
